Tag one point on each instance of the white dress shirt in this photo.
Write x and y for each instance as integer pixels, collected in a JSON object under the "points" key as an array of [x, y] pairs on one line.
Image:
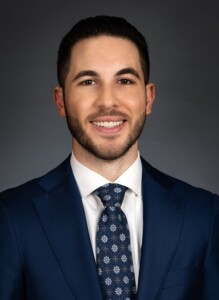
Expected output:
{"points": [[88, 181]]}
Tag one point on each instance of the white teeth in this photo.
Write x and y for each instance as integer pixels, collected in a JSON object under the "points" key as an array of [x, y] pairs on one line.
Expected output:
{"points": [[108, 124]]}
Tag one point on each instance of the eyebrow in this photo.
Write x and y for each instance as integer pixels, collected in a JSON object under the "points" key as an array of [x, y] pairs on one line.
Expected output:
{"points": [[128, 71], [124, 71], [85, 73]]}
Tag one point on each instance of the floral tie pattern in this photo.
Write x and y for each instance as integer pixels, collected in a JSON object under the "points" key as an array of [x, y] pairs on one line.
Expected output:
{"points": [[114, 257]]}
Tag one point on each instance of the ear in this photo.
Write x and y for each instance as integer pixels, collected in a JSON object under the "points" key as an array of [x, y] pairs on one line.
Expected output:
{"points": [[150, 94], [58, 96]]}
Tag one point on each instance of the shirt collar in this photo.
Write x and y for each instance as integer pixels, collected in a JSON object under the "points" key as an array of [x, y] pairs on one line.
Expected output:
{"points": [[88, 180]]}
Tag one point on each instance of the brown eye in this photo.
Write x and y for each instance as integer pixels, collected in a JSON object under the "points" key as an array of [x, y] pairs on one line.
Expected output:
{"points": [[126, 81], [88, 82]]}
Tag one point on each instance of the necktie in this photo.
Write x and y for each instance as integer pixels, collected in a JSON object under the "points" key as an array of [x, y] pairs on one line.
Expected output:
{"points": [[114, 257]]}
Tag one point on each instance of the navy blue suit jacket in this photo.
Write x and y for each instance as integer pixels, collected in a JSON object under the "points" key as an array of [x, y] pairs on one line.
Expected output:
{"points": [[45, 250]]}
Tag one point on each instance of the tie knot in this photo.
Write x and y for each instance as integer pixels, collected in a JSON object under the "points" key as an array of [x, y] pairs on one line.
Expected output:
{"points": [[111, 194]]}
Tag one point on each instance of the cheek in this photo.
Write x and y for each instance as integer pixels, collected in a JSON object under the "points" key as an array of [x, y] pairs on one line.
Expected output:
{"points": [[136, 102], [81, 99], [75, 103]]}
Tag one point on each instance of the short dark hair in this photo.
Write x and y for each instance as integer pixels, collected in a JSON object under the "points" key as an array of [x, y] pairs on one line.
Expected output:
{"points": [[97, 26]]}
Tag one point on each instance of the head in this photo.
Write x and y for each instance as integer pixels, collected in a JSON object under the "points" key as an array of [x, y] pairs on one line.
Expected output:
{"points": [[97, 26], [103, 71]]}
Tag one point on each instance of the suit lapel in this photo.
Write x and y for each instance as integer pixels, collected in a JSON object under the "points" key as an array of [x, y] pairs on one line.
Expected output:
{"points": [[62, 217], [163, 216]]}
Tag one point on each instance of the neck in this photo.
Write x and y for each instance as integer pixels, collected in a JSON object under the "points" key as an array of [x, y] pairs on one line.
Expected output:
{"points": [[109, 169]]}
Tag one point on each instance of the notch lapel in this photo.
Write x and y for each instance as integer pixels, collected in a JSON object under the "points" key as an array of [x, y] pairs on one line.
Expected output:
{"points": [[62, 217], [163, 216]]}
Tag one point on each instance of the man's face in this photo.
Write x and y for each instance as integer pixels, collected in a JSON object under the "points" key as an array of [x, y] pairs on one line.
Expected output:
{"points": [[105, 99]]}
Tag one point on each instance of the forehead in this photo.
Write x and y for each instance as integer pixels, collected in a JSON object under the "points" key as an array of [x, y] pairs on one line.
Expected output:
{"points": [[106, 51]]}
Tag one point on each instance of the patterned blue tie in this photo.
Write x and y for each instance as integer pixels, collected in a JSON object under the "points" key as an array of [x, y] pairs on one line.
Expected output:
{"points": [[114, 257]]}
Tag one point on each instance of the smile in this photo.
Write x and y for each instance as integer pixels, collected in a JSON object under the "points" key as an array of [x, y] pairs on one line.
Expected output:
{"points": [[108, 124]]}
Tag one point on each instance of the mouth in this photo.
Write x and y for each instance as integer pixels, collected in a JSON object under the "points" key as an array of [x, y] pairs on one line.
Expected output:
{"points": [[108, 124]]}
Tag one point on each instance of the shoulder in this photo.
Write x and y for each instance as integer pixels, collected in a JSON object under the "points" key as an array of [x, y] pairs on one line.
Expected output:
{"points": [[22, 194], [177, 186]]}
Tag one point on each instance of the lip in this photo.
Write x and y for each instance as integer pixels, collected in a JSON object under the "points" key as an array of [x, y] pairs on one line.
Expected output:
{"points": [[109, 119], [109, 130]]}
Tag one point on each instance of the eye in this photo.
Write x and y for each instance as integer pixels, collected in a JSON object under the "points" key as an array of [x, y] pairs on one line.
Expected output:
{"points": [[88, 82], [125, 81]]}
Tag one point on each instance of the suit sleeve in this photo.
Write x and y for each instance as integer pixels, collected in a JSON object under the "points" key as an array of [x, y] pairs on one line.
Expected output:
{"points": [[11, 273], [211, 264]]}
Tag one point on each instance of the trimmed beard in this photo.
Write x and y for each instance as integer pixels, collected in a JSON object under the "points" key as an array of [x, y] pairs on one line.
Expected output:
{"points": [[110, 154]]}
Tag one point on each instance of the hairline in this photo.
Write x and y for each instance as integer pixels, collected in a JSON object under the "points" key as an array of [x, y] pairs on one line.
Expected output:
{"points": [[107, 34]]}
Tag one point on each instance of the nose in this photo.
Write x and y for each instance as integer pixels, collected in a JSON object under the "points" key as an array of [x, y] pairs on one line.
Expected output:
{"points": [[106, 98]]}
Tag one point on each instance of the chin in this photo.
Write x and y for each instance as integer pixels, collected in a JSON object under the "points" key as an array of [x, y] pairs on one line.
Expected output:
{"points": [[108, 154]]}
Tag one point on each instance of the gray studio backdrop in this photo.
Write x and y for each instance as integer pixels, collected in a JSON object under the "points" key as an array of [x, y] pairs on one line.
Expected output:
{"points": [[181, 136]]}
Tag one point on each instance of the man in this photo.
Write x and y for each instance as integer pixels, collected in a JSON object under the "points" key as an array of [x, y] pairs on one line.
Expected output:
{"points": [[50, 242]]}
